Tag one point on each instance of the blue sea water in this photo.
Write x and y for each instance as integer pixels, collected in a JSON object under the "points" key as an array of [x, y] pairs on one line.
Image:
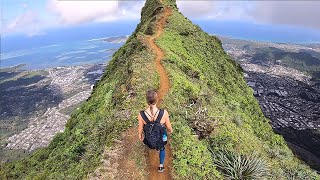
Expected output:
{"points": [[260, 32], [83, 44], [65, 54], [64, 47]]}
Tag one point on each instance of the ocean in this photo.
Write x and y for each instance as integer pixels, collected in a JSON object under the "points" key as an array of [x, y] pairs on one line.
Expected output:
{"points": [[92, 51], [67, 46], [84, 44]]}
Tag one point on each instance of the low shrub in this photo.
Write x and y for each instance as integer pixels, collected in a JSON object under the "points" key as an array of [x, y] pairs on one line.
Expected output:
{"points": [[236, 166]]}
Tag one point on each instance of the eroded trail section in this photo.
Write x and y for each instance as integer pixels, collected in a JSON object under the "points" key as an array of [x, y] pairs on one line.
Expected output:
{"points": [[164, 79], [153, 155]]}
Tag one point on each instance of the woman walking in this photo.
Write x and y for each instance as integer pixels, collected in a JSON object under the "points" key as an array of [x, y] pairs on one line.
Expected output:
{"points": [[153, 126]]}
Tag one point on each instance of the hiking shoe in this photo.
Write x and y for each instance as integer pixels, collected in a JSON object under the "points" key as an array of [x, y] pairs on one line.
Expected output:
{"points": [[161, 169]]}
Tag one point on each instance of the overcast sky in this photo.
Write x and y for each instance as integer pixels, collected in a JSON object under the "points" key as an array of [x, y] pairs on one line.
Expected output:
{"points": [[34, 17]]}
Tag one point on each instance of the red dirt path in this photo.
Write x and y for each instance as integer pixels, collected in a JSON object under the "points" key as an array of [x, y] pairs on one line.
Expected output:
{"points": [[153, 155], [118, 162]]}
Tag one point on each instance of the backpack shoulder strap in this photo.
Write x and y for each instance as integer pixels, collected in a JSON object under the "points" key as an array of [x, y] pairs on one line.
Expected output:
{"points": [[144, 117], [160, 115]]}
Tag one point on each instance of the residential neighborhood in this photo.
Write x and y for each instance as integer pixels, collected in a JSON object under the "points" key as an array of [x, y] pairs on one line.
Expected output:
{"points": [[71, 82], [288, 97]]}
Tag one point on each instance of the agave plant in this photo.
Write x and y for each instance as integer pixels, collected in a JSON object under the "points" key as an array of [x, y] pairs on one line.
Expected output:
{"points": [[240, 167]]}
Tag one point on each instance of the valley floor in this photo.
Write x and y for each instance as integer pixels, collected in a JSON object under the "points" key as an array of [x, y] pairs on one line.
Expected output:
{"points": [[52, 97], [289, 97]]}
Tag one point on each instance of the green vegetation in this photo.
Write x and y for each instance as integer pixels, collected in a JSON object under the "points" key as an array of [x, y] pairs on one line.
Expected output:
{"points": [[19, 84], [235, 166], [13, 68], [202, 76], [201, 73], [302, 61], [93, 127]]}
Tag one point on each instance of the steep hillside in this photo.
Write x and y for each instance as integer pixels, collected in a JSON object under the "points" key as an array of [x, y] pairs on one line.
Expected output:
{"points": [[212, 110], [202, 74]]}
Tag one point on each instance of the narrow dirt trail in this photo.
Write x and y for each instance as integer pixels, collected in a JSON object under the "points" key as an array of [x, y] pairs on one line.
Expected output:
{"points": [[164, 79], [120, 161], [153, 155]]}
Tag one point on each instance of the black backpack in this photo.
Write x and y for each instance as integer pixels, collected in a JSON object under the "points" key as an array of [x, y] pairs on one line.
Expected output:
{"points": [[153, 131]]}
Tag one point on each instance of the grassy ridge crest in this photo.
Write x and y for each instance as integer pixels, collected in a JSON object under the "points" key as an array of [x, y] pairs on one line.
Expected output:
{"points": [[212, 108], [207, 90], [93, 127]]}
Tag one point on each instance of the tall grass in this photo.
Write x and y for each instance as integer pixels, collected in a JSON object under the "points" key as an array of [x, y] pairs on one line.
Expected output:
{"points": [[236, 166]]}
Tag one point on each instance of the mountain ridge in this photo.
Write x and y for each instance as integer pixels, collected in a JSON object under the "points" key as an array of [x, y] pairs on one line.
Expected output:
{"points": [[207, 90]]}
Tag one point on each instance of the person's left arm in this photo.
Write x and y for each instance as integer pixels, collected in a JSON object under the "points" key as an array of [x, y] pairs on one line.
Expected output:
{"points": [[167, 122]]}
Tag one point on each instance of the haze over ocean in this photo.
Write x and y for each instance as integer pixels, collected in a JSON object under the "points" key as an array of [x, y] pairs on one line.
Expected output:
{"points": [[261, 32], [70, 46]]}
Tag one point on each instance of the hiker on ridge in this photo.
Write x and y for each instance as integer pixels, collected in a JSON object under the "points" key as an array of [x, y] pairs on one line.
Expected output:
{"points": [[153, 123]]}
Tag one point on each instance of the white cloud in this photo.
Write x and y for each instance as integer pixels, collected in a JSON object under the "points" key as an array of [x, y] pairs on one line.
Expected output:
{"points": [[24, 19], [27, 23], [57, 13], [77, 12], [24, 5], [296, 13], [197, 9], [233, 10]]}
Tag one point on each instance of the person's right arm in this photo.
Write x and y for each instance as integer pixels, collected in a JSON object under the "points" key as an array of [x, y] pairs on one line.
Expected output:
{"points": [[140, 127]]}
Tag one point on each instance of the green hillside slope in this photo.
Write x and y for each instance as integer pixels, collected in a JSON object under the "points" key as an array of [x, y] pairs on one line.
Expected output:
{"points": [[211, 108]]}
